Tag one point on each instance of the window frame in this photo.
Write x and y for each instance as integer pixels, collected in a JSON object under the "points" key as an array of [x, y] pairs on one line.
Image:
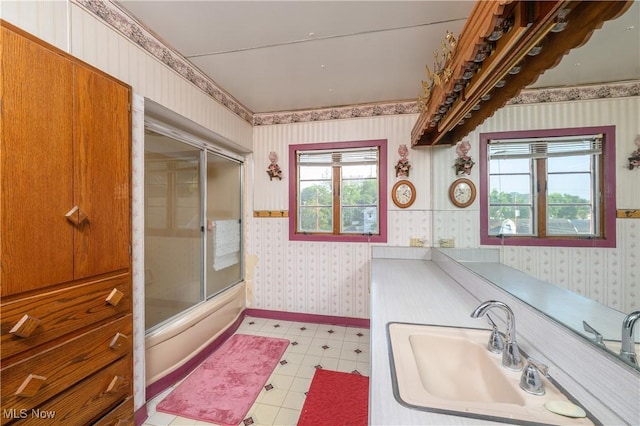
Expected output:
{"points": [[381, 237], [608, 190]]}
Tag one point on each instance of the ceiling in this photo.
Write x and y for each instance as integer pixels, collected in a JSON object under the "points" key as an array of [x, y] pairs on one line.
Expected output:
{"points": [[297, 55]]}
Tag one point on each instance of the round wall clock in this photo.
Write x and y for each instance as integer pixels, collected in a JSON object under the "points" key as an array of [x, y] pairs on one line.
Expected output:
{"points": [[403, 194], [462, 192]]}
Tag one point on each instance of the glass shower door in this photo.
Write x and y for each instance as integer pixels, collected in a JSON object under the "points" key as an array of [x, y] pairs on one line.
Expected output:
{"points": [[223, 263], [173, 234]]}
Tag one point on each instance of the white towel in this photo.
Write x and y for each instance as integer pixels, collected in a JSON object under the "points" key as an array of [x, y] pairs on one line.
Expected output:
{"points": [[226, 243]]}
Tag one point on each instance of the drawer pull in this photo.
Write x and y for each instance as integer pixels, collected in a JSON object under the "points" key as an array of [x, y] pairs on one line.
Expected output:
{"points": [[118, 340], [114, 297], [25, 326], [31, 385], [116, 383], [76, 216]]}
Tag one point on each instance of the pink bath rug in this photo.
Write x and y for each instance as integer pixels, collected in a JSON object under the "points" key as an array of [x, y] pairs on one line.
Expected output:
{"points": [[223, 388]]}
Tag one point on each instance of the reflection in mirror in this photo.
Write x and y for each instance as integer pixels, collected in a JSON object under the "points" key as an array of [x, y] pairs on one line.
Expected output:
{"points": [[601, 325], [617, 43], [547, 184], [628, 351]]}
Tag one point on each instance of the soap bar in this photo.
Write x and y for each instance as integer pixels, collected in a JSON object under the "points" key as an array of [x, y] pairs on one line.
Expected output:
{"points": [[565, 408]]}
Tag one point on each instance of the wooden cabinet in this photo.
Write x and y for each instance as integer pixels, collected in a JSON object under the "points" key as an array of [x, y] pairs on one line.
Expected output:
{"points": [[65, 236], [65, 168], [37, 150]]}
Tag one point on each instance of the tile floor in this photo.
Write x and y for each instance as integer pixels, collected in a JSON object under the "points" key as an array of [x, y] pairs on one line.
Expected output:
{"points": [[280, 400]]}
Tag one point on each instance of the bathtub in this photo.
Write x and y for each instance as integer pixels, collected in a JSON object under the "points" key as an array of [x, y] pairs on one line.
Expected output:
{"points": [[173, 350]]}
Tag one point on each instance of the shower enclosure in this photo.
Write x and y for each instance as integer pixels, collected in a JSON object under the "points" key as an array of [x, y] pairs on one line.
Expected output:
{"points": [[193, 232]]}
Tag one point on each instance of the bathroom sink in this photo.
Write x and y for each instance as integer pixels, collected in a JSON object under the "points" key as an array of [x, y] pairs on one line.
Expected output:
{"points": [[449, 370]]}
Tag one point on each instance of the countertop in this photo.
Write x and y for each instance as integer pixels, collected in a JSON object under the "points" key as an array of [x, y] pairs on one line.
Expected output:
{"points": [[414, 291], [408, 286]]}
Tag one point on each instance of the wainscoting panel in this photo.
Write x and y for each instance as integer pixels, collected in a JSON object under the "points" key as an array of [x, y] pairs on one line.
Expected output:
{"points": [[308, 277]]}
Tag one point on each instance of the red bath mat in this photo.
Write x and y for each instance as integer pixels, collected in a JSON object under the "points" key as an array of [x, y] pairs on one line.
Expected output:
{"points": [[337, 399], [223, 388]]}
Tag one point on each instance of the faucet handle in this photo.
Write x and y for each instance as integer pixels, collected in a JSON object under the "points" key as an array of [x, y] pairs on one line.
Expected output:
{"points": [[496, 341], [598, 339], [530, 381]]}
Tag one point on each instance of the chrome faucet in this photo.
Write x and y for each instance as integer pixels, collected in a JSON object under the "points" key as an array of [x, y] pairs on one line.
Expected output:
{"points": [[511, 358], [628, 351]]}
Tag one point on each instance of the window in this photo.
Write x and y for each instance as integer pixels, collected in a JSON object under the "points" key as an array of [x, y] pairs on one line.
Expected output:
{"points": [[337, 192], [549, 187]]}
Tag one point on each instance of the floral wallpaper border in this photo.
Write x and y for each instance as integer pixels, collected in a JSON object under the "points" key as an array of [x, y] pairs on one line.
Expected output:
{"points": [[365, 110], [134, 31], [578, 93]]}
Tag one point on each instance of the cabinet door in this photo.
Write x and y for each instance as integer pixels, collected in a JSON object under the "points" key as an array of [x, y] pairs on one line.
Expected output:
{"points": [[102, 146], [36, 239]]}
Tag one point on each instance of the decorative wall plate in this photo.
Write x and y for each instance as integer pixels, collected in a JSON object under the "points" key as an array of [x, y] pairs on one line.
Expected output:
{"points": [[462, 192], [403, 194]]}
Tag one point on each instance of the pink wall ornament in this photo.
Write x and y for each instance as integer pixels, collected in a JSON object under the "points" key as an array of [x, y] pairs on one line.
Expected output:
{"points": [[274, 170], [464, 163], [403, 165], [634, 160]]}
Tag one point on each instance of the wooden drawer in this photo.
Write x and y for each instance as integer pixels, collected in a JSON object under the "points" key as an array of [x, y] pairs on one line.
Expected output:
{"points": [[122, 415], [30, 382], [86, 401], [32, 321]]}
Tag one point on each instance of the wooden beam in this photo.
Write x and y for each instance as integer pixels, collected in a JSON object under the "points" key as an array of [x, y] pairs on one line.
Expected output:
{"points": [[532, 24]]}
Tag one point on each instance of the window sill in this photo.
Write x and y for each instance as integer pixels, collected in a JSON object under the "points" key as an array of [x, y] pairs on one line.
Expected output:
{"points": [[494, 240], [338, 238]]}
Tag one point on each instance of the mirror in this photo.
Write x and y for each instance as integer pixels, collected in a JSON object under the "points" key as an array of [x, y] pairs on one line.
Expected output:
{"points": [[589, 64], [612, 54], [594, 321]]}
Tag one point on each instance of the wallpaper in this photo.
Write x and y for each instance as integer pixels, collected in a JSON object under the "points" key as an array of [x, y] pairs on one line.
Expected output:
{"points": [[288, 275], [324, 277]]}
